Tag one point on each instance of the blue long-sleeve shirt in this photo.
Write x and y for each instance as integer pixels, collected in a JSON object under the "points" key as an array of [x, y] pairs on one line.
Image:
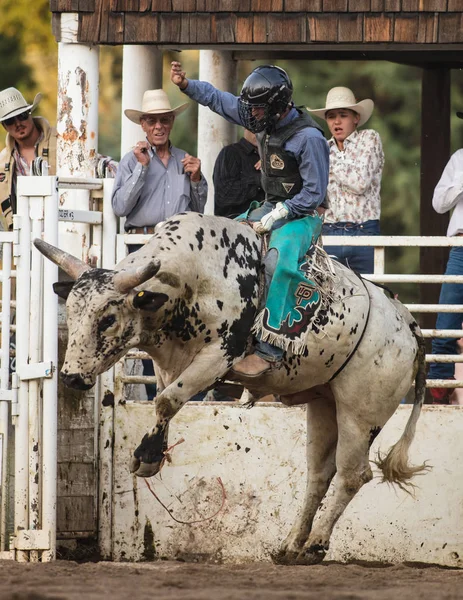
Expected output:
{"points": [[308, 146]]}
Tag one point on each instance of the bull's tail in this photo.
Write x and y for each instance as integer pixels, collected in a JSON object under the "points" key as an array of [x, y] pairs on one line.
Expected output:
{"points": [[395, 466]]}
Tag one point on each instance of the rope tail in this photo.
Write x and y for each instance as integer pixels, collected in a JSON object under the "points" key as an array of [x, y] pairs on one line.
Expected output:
{"points": [[395, 466]]}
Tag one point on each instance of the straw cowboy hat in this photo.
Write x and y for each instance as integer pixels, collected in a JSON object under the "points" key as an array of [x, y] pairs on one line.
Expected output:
{"points": [[155, 102], [12, 103], [342, 97]]}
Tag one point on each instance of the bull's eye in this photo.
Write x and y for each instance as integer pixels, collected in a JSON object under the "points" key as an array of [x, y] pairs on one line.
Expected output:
{"points": [[107, 322]]}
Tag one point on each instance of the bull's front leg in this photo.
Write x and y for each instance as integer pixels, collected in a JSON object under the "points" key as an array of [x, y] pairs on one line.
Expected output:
{"points": [[207, 367]]}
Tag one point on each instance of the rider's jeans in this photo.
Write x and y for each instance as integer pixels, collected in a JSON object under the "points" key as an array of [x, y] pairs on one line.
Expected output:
{"points": [[451, 293], [265, 350], [358, 258]]}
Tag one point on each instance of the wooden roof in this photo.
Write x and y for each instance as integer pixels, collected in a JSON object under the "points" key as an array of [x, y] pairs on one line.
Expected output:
{"points": [[256, 24]]}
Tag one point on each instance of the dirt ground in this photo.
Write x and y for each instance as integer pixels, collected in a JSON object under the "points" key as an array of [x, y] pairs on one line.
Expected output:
{"points": [[65, 580]]}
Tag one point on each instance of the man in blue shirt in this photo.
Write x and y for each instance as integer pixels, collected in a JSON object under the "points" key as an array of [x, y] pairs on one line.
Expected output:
{"points": [[294, 162], [155, 180]]}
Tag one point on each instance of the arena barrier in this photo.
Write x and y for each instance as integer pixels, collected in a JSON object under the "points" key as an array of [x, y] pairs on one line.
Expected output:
{"points": [[259, 456]]}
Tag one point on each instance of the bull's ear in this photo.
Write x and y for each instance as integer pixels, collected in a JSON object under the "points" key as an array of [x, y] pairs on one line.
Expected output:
{"points": [[63, 288], [149, 300]]}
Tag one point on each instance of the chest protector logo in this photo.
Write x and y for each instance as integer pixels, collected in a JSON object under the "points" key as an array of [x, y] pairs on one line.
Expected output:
{"points": [[276, 162]]}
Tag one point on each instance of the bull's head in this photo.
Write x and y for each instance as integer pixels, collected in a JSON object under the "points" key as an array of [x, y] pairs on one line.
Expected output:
{"points": [[106, 315]]}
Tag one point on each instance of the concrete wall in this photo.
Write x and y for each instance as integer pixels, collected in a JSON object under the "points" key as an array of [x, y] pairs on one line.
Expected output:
{"points": [[259, 455]]}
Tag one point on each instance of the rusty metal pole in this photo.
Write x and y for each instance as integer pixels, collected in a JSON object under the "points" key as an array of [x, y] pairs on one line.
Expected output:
{"points": [[77, 124], [214, 132]]}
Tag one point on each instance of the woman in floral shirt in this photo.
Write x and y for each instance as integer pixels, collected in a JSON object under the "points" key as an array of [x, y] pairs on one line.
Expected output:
{"points": [[356, 165]]}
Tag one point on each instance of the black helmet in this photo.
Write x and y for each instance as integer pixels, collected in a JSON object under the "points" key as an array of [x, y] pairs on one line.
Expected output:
{"points": [[267, 87]]}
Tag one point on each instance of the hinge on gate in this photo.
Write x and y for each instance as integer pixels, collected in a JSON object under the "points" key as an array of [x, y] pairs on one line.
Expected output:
{"points": [[14, 395], [16, 228], [35, 370], [32, 539]]}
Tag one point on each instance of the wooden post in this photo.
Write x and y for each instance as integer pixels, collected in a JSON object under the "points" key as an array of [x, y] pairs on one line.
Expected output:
{"points": [[435, 152]]}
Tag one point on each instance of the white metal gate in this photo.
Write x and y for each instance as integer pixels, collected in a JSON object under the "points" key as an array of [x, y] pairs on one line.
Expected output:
{"points": [[29, 394]]}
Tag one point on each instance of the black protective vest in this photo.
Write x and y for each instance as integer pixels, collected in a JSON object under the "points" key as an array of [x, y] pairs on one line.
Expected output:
{"points": [[279, 169]]}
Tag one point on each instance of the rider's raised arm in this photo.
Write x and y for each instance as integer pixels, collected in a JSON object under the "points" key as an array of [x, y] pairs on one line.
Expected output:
{"points": [[222, 103]]}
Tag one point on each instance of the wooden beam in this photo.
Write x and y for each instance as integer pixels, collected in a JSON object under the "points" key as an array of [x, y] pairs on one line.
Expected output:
{"points": [[435, 152]]}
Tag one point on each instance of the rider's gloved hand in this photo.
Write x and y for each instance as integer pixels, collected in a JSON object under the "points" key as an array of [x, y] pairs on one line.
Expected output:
{"points": [[266, 223]]}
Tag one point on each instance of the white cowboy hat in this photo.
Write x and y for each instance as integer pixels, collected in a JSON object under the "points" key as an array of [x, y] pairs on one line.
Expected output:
{"points": [[12, 103], [155, 102], [342, 97]]}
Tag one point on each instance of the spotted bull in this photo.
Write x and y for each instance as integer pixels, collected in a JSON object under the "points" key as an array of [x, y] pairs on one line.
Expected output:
{"points": [[189, 298]]}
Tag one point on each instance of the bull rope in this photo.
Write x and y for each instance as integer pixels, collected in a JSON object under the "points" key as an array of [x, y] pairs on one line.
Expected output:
{"points": [[224, 493]]}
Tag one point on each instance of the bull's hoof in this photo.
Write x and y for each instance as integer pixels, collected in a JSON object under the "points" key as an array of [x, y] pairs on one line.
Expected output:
{"points": [[313, 555], [147, 469], [134, 464], [284, 557]]}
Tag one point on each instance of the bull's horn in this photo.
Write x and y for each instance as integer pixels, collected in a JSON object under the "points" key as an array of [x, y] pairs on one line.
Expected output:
{"points": [[70, 264], [124, 281]]}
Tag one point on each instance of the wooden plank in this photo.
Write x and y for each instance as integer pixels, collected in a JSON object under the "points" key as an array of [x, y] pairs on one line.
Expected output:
{"points": [[259, 31], [427, 28], [303, 5], [377, 5], [266, 6], [406, 28], [76, 514], [378, 28], [350, 28], [225, 26], [170, 27], [450, 28], [116, 28], [435, 152], [335, 5], [141, 28], [392, 5], [183, 5], [454, 5], [75, 445], [89, 5], [161, 6], [145, 6], [200, 28], [323, 28], [425, 5], [76, 479], [54, 6], [125, 5], [75, 410], [283, 27], [359, 6], [211, 6], [244, 26]]}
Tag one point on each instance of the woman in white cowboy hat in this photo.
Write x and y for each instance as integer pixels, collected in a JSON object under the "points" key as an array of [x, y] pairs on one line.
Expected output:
{"points": [[356, 165], [155, 180]]}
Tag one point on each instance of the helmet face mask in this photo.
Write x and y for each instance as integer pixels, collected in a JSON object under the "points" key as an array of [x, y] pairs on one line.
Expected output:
{"points": [[265, 96]]}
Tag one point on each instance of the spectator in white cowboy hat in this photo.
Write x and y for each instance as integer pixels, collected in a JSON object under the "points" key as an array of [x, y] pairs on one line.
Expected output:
{"points": [[356, 165], [30, 142], [155, 180], [27, 138]]}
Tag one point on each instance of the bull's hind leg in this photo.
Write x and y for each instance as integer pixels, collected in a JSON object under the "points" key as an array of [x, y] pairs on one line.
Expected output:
{"points": [[322, 435], [352, 472]]}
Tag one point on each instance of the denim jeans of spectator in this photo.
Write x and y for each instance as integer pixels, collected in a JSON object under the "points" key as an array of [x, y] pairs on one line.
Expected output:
{"points": [[451, 293], [148, 368], [359, 258]]}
